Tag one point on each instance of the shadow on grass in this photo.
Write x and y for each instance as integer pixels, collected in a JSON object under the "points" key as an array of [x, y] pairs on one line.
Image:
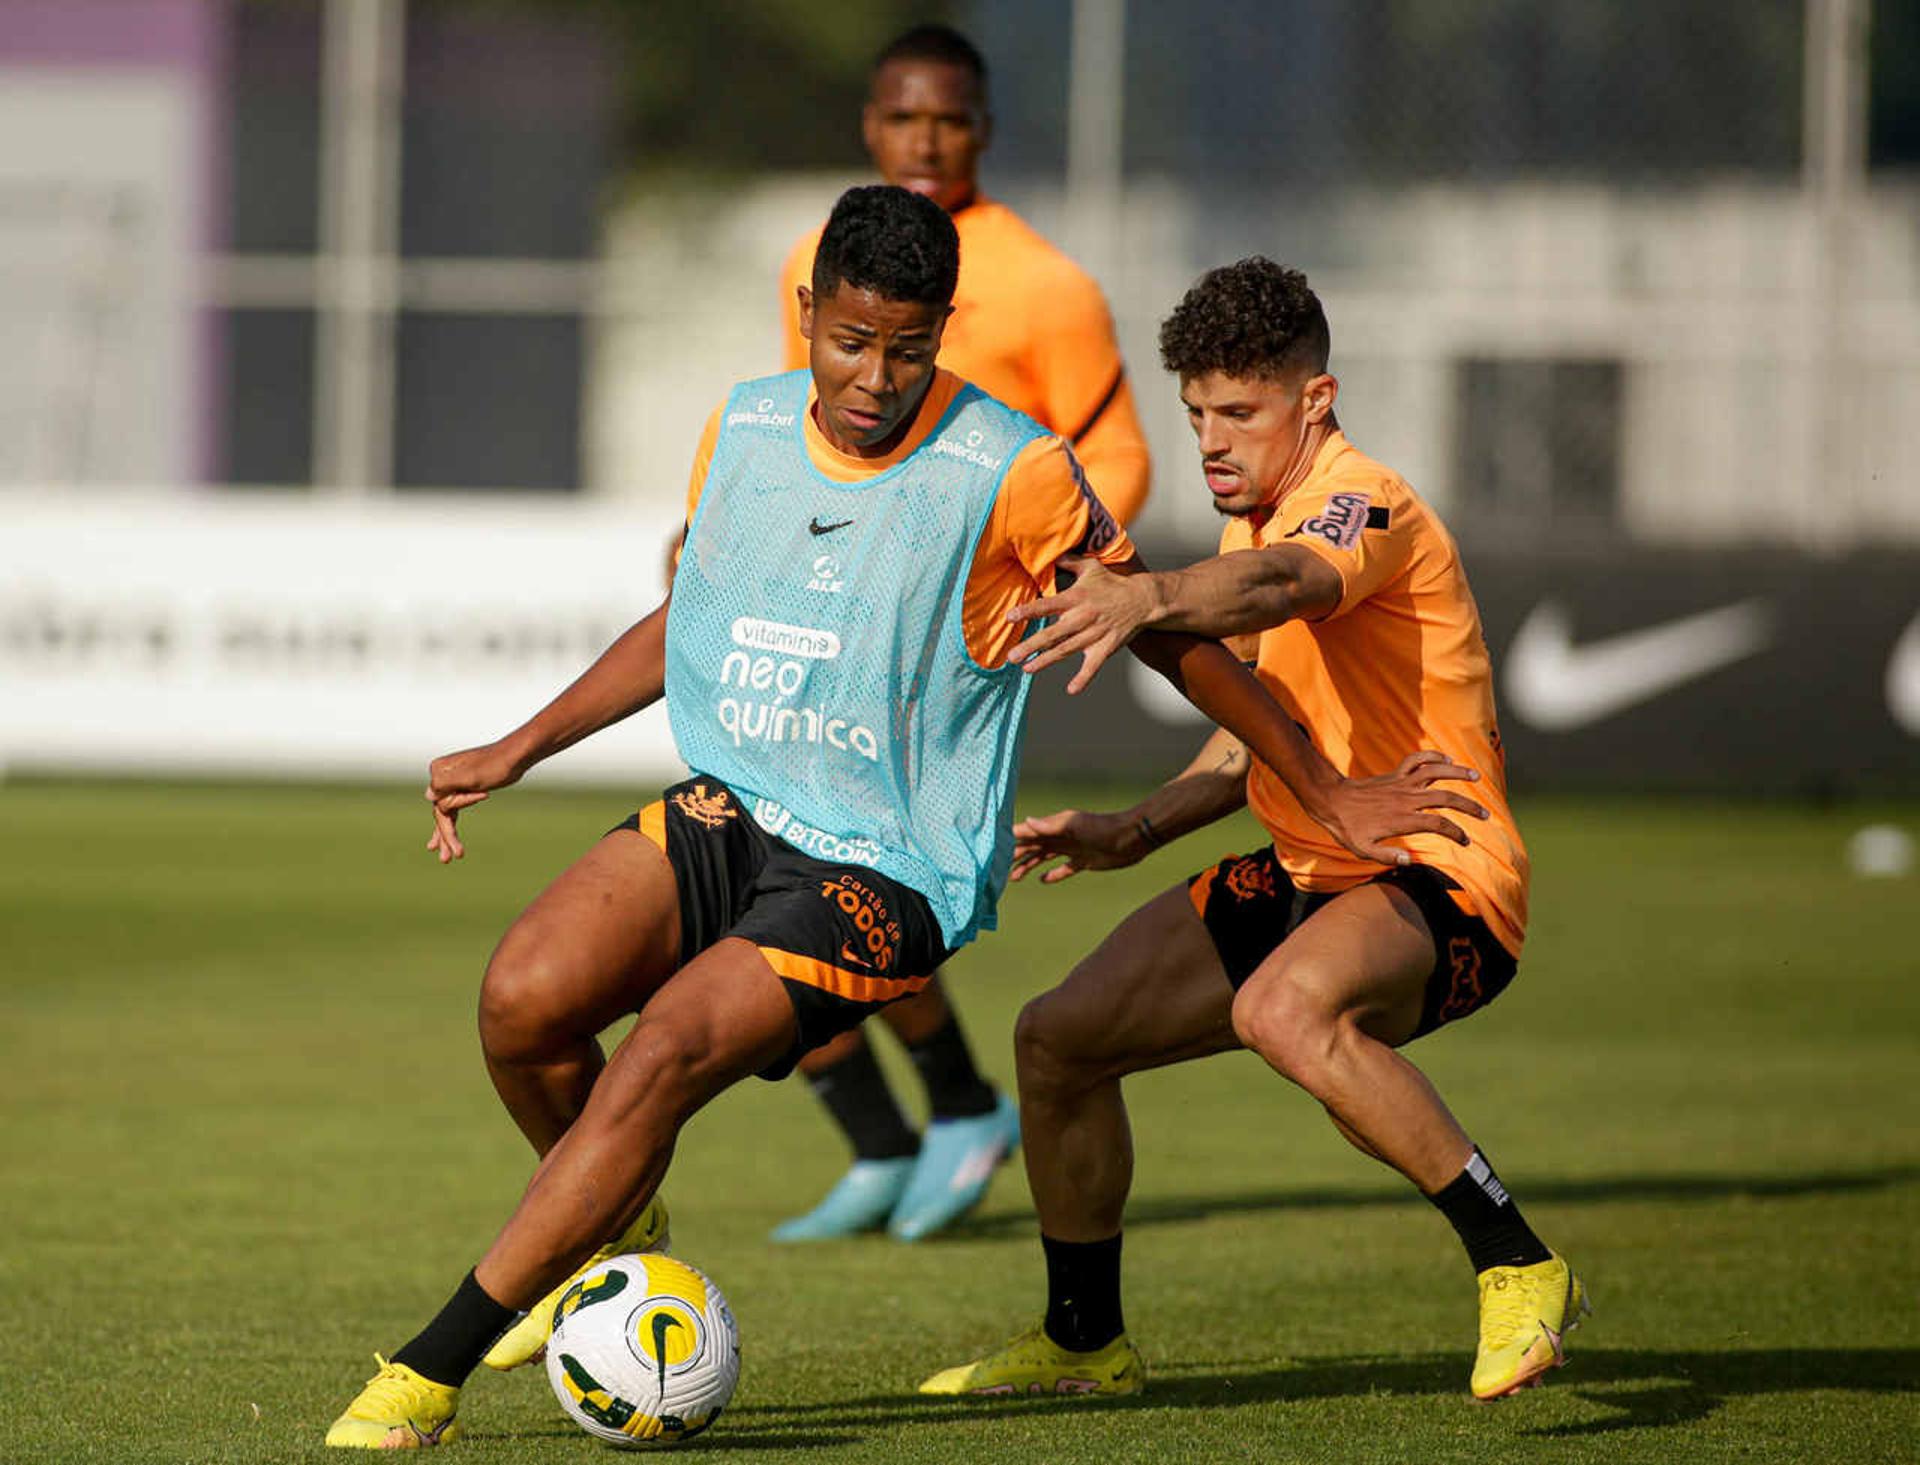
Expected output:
{"points": [[1642, 1389], [733, 1434], [1599, 1190]]}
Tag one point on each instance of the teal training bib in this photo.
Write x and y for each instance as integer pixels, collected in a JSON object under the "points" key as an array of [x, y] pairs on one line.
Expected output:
{"points": [[816, 656]]}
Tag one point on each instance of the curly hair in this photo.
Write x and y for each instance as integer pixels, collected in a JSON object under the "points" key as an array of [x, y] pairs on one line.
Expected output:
{"points": [[895, 243], [1254, 319]]}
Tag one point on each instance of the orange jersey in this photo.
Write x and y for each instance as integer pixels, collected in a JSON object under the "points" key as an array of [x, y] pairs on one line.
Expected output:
{"points": [[1031, 328], [1044, 511], [1399, 665]]}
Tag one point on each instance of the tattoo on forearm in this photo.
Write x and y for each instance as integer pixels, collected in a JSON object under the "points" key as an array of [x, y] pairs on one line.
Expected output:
{"points": [[1232, 760]]}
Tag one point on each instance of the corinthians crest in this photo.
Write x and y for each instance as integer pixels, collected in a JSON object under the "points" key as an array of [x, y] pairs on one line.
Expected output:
{"points": [[711, 809]]}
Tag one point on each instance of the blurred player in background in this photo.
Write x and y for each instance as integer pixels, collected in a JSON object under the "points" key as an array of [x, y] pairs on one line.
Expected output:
{"points": [[833, 654], [1031, 328], [1322, 963]]}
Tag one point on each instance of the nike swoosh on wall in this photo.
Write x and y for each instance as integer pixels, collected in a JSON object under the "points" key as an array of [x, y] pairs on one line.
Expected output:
{"points": [[1903, 679], [1554, 685]]}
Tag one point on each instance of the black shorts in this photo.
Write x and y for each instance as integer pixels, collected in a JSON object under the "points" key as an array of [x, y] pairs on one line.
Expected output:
{"points": [[1250, 906], [843, 939]]}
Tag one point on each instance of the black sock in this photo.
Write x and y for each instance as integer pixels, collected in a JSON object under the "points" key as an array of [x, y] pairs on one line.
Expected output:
{"points": [[1083, 1293], [955, 1089], [452, 1345], [1489, 1223], [856, 1095]]}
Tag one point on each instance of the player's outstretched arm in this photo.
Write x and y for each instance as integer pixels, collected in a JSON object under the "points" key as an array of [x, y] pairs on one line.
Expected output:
{"points": [[1213, 785], [1249, 590], [628, 675], [1360, 813]]}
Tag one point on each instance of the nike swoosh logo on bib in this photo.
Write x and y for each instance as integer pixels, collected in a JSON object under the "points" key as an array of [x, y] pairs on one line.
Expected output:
{"points": [[1555, 686]]}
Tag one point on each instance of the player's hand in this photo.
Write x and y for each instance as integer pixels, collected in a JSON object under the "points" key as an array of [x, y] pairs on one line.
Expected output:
{"points": [[1362, 813], [458, 781], [1081, 841], [1095, 616]]}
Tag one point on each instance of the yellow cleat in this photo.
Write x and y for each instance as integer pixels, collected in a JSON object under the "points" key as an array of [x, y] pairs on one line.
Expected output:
{"points": [[397, 1410], [1034, 1364], [1525, 1315], [526, 1340]]}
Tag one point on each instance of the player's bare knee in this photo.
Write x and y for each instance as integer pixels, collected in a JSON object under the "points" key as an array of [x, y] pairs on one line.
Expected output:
{"points": [[1048, 1048], [1033, 1051], [520, 1020], [1289, 1027]]}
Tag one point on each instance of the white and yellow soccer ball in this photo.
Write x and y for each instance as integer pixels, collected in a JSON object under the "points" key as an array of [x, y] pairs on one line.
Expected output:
{"points": [[644, 1351]]}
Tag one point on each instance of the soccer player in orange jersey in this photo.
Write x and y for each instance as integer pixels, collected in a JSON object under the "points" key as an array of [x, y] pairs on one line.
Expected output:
{"points": [[1324, 964], [1030, 327], [853, 725]]}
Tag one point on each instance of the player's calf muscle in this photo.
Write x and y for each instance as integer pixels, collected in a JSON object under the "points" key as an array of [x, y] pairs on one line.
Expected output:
{"points": [[663, 1071]]}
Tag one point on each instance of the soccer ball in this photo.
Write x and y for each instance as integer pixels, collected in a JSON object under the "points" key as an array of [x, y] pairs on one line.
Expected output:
{"points": [[644, 1351]]}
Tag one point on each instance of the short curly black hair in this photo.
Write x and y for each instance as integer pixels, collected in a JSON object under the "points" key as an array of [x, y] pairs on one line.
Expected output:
{"points": [[1254, 319], [897, 244]]}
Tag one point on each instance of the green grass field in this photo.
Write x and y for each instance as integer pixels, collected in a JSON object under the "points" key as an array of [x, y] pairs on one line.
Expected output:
{"points": [[249, 1141]]}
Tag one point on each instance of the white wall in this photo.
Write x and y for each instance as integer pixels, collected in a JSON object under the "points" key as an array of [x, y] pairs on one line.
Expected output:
{"points": [[278, 635]]}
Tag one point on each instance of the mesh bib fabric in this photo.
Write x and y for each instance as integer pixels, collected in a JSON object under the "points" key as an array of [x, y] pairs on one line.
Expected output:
{"points": [[816, 657]]}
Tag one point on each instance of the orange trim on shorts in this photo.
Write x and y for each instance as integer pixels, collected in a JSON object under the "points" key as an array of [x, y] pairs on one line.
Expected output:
{"points": [[1201, 888], [812, 972], [653, 823]]}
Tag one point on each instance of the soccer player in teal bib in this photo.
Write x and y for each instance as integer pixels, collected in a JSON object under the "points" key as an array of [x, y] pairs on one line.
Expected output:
{"points": [[833, 659]]}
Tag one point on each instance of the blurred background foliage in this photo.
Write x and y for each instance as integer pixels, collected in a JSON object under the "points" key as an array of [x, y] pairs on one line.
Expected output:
{"points": [[1465, 87]]}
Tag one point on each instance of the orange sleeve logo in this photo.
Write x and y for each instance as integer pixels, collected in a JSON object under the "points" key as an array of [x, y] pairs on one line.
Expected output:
{"points": [[1102, 527], [1340, 523]]}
